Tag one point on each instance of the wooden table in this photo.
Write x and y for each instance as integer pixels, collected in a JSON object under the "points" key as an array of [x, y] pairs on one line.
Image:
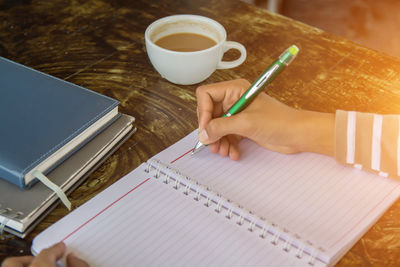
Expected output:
{"points": [[100, 45]]}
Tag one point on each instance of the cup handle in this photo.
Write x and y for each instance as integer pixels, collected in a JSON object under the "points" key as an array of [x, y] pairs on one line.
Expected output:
{"points": [[231, 64]]}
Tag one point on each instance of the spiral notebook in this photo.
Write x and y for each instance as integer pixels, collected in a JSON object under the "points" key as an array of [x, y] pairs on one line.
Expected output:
{"points": [[267, 209]]}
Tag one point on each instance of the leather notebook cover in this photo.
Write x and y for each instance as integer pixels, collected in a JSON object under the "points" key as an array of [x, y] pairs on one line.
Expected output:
{"points": [[39, 115]]}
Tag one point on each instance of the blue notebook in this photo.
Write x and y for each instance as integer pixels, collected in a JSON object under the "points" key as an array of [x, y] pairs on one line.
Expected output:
{"points": [[44, 120]]}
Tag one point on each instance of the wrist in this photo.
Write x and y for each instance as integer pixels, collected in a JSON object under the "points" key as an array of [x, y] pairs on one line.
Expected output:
{"points": [[316, 132]]}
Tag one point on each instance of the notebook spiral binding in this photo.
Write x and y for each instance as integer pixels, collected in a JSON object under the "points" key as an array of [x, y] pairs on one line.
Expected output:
{"points": [[7, 214], [265, 229]]}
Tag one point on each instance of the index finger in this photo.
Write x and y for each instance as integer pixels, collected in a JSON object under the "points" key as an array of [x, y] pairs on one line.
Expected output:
{"points": [[213, 98]]}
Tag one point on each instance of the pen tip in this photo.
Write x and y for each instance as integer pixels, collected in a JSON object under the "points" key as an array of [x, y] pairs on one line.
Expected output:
{"points": [[197, 147]]}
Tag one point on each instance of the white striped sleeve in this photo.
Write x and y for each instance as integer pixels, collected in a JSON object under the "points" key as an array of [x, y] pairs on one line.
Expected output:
{"points": [[368, 141], [351, 137], [398, 147], [376, 143]]}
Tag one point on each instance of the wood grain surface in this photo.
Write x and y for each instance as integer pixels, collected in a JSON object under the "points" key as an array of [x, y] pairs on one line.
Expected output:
{"points": [[99, 44]]}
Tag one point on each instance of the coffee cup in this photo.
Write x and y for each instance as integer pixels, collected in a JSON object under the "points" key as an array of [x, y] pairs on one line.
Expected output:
{"points": [[187, 49]]}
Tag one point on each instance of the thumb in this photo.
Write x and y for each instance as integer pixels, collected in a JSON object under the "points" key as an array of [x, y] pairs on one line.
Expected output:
{"points": [[220, 127]]}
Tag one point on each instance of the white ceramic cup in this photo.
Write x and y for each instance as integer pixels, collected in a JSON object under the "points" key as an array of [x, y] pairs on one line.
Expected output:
{"points": [[190, 67]]}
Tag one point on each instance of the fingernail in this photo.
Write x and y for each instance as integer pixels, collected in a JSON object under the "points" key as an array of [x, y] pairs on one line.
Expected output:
{"points": [[203, 136]]}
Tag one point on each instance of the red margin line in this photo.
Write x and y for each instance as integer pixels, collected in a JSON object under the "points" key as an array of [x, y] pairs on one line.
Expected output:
{"points": [[181, 156], [91, 219], [379, 203]]}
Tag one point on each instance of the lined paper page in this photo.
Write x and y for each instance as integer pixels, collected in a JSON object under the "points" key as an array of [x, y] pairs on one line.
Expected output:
{"points": [[141, 221], [326, 204]]}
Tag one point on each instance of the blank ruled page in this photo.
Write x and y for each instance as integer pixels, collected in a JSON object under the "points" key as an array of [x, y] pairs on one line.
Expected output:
{"points": [[326, 204], [140, 221]]}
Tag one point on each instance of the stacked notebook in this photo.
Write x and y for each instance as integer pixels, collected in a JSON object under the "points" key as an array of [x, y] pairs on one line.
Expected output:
{"points": [[53, 135]]}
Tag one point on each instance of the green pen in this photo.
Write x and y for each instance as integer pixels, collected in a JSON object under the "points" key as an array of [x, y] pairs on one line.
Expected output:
{"points": [[258, 86]]}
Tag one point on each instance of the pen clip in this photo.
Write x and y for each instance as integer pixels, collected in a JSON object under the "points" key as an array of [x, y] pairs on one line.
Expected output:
{"points": [[261, 81]]}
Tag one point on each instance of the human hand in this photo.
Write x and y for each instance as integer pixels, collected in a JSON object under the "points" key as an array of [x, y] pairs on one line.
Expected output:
{"points": [[46, 258], [266, 121]]}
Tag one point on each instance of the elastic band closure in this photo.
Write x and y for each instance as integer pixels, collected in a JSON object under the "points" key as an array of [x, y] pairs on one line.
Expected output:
{"points": [[3, 225], [8, 215], [53, 187], [5, 221]]}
